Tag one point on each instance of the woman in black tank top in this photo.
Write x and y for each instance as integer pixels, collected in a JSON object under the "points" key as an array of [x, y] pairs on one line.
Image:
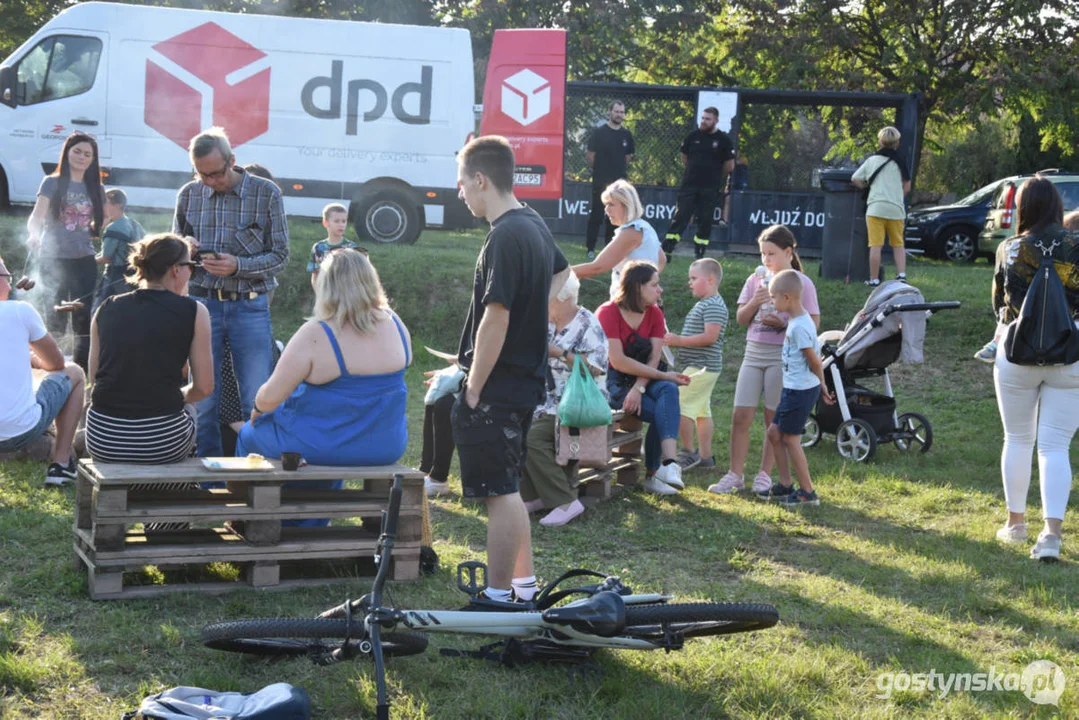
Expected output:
{"points": [[140, 342]]}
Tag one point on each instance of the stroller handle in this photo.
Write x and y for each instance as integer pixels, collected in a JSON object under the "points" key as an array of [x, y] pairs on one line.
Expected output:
{"points": [[931, 307]]}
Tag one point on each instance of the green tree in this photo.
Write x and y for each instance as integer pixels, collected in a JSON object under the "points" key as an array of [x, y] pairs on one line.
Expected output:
{"points": [[19, 19], [965, 57]]}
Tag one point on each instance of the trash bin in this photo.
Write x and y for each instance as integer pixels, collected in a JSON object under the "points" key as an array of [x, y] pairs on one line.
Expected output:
{"points": [[844, 253]]}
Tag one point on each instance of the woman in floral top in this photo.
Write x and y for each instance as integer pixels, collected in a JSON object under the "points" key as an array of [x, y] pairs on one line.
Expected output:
{"points": [[1037, 403], [571, 330]]}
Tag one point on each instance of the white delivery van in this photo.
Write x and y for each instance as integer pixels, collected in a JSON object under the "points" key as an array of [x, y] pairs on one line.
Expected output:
{"points": [[367, 114]]}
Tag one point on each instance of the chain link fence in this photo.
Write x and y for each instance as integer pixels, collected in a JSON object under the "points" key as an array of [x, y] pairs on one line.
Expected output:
{"points": [[782, 144], [659, 119]]}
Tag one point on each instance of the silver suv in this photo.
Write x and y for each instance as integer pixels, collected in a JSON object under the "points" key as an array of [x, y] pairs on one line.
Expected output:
{"points": [[1000, 222]]}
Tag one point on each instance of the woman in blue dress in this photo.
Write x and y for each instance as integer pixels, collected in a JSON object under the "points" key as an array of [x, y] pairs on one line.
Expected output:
{"points": [[337, 395]]}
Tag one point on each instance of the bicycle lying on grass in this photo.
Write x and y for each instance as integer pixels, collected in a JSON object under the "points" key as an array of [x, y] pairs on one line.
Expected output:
{"points": [[608, 616]]}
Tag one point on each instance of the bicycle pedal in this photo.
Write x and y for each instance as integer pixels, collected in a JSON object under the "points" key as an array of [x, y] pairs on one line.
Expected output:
{"points": [[467, 574]]}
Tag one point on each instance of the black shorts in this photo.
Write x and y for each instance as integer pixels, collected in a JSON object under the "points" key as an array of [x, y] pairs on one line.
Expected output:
{"points": [[794, 409], [491, 445]]}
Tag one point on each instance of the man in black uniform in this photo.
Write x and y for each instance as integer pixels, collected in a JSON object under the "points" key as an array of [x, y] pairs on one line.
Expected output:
{"points": [[708, 156], [610, 147]]}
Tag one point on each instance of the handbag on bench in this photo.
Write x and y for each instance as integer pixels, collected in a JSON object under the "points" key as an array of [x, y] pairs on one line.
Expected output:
{"points": [[587, 446]]}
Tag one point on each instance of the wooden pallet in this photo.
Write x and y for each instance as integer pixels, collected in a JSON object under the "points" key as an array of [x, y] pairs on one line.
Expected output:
{"points": [[624, 438], [240, 526]]}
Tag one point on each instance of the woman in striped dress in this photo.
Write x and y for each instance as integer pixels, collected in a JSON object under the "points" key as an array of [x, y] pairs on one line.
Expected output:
{"points": [[140, 342]]}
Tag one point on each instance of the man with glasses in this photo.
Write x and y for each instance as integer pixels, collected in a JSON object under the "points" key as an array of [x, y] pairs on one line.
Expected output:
{"points": [[238, 223]]}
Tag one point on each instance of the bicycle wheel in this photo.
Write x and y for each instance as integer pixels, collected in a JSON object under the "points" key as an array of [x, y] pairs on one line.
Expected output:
{"points": [[289, 637], [698, 619]]}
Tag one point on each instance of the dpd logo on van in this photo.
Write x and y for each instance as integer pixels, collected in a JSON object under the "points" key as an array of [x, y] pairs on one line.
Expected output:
{"points": [[207, 64], [526, 96]]}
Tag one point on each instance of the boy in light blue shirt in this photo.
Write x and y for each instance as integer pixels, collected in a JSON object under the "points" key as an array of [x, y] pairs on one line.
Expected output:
{"points": [[803, 384]]}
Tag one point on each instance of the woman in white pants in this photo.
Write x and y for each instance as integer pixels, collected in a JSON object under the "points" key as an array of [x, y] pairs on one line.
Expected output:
{"points": [[1037, 403]]}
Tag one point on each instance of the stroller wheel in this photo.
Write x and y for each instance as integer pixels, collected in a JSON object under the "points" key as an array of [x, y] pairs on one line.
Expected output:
{"points": [[856, 440], [915, 432], [811, 432]]}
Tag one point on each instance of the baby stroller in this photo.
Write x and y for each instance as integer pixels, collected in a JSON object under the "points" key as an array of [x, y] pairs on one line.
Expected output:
{"points": [[890, 326]]}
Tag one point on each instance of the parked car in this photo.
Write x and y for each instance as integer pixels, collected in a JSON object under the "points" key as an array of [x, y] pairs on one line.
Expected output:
{"points": [[950, 231], [1000, 221]]}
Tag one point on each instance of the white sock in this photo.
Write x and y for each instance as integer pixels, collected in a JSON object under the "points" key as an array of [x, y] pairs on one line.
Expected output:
{"points": [[501, 595], [525, 587]]}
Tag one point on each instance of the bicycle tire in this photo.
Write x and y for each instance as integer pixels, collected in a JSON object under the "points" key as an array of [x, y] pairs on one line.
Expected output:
{"points": [[697, 619], [291, 637]]}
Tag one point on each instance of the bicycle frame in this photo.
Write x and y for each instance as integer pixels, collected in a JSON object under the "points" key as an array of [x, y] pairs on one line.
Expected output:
{"points": [[526, 625]]}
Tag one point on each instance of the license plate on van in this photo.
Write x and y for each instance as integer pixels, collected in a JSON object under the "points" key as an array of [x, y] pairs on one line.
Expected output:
{"points": [[527, 179]]}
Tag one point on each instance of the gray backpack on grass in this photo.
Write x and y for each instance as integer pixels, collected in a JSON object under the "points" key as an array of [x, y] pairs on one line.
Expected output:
{"points": [[279, 701]]}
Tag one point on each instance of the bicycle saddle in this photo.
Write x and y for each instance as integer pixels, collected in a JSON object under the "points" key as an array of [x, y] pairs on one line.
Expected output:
{"points": [[603, 614]]}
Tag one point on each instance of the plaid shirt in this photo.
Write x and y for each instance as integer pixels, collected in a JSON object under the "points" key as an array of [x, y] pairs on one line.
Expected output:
{"points": [[248, 222]]}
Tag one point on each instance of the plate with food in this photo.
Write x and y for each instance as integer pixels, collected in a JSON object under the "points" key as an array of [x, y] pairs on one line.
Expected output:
{"points": [[251, 463]]}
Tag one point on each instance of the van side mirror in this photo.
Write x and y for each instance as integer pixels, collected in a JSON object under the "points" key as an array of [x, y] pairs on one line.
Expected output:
{"points": [[7, 85]]}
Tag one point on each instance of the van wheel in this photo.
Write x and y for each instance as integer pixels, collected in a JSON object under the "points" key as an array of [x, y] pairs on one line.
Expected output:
{"points": [[387, 216], [5, 199]]}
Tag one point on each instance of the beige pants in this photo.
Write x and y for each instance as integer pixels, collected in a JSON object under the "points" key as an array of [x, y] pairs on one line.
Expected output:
{"points": [[761, 374]]}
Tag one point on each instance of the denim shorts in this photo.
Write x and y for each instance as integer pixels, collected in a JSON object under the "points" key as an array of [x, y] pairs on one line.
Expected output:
{"points": [[51, 396], [794, 409], [491, 447]]}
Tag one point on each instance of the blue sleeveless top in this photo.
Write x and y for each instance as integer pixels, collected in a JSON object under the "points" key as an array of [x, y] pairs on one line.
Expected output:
{"points": [[351, 420]]}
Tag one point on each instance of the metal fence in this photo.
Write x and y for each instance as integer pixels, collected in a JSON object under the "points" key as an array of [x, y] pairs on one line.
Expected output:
{"points": [[784, 137], [659, 119]]}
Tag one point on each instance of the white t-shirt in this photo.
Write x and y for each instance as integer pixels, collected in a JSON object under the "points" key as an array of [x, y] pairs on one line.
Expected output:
{"points": [[20, 325]]}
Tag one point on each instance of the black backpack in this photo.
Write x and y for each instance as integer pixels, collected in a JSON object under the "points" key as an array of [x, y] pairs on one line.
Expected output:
{"points": [[1045, 332]]}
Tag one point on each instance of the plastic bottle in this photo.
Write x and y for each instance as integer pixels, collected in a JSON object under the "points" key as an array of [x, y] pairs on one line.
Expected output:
{"points": [[767, 307]]}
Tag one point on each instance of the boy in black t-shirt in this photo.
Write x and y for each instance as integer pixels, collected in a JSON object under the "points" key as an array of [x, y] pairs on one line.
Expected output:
{"points": [[708, 156], [504, 350]]}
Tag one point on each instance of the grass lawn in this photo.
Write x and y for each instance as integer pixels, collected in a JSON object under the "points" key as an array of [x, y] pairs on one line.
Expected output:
{"points": [[896, 572]]}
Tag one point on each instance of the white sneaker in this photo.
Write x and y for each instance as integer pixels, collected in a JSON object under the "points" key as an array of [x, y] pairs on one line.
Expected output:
{"points": [[671, 474], [1012, 534], [1047, 549], [727, 484], [433, 488], [762, 483], [653, 484]]}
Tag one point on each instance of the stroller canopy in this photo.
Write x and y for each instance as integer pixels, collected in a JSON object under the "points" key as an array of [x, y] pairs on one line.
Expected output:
{"points": [[908, 326]]}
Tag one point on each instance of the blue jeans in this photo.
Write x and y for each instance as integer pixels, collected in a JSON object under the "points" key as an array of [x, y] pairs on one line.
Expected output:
{"points": [[246, 323], [51, 395], [660, 409]]}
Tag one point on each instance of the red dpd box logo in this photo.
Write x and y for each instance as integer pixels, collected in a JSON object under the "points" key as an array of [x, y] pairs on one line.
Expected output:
{"points": [[210, 53]]}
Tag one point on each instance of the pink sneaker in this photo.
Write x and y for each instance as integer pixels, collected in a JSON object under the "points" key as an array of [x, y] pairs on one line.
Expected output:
{"points": [[562, 514], [762, 482], [727, 484]]}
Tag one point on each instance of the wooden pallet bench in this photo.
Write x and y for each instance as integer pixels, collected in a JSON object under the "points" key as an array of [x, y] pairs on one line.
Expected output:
{"points": [[239, 525], [624, 439]]}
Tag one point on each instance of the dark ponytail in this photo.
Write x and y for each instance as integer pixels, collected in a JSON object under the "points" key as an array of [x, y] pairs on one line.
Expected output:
{"points": [[782, 237]]}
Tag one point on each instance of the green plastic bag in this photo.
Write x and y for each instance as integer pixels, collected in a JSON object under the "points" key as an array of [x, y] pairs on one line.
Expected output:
{"points": [[582, 404]]}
